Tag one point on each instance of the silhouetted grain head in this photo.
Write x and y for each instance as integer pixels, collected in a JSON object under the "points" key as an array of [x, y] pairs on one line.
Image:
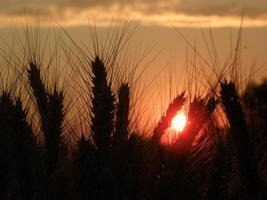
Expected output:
{"points": [[53, 136], [51, 110], [26, 154], [99, 73], [56, 109], [239, 134], [39, 93], [103, 109], [234, 111], [120, 156], [17, 146], [122, 116], [37, 85], [196, 113], [199, 113], [171, 111]]}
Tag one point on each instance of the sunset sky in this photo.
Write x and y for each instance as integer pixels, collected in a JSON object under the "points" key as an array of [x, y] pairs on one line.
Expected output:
{"points": [[183, 13], [157, 21]]}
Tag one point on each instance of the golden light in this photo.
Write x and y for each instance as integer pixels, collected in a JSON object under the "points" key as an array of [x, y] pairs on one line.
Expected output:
{"points": [[179, 121]]}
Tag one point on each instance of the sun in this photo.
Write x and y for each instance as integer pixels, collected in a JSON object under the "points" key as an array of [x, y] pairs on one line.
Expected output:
{"points": [[179, 121]]}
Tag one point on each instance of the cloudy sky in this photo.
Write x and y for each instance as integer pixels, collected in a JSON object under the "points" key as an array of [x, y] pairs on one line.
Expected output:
{"points": [[186, 13]]}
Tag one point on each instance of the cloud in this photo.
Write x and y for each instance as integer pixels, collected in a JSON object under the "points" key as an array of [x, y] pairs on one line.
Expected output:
{"points": [[74, 12], [252, 8]]}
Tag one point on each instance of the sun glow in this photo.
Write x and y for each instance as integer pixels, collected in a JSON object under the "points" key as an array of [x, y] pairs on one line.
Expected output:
{"points": [[179, 121]]}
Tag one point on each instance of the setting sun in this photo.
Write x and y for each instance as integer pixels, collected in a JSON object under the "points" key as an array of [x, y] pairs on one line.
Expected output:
{"points": [[179, 121]]}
